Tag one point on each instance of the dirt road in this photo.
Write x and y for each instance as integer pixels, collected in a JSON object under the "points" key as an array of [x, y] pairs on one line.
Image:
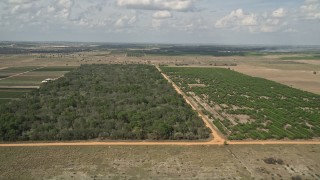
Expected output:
{"points": [[217, 137], [217, 140], [161, 143]]}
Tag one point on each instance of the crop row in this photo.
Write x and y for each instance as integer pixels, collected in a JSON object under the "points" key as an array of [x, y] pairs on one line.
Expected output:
{"points": [[276, 111]]}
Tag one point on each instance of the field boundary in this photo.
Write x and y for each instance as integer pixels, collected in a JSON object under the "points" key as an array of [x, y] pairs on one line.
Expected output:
{"points": [[217, 138]]}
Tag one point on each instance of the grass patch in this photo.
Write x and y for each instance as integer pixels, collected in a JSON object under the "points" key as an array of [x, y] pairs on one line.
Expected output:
{"points": [[58, 68], [4, 101], [314, 57], [8, 94], [284, 62], [15, 90], [23, 81], [20, 69]]}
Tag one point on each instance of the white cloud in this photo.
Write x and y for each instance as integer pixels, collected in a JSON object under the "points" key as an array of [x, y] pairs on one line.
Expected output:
{"points": [[190, 24], [125, 21], [237, 18], [174, 5], [279, 13], [162, 15], [311, 9], [20, 1], [63, 8], [254, 22]]}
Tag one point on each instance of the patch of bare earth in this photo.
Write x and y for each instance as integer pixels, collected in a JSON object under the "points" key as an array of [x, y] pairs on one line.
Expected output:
{"points": [[300, 79], [196, 85]]}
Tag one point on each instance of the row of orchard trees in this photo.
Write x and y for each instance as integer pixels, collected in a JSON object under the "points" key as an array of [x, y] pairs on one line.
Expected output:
{"points": [[102, 101], [277, 111]]}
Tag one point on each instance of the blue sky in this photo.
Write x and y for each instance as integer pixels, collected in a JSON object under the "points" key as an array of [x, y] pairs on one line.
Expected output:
{"points": [[287, 22]]}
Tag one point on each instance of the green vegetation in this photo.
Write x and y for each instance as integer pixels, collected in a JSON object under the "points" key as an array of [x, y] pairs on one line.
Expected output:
{"points": [[61, 68], [311, 57], [11, 94], [14, 70], [19, 69], [4, 101], [274, 110], [135, 54], [6, 94], [23, 81], [102, 101]]}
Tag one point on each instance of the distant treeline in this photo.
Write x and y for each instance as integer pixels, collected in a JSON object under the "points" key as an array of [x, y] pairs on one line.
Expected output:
{"points": [[12, 50], [201, 50], [105, 102]]}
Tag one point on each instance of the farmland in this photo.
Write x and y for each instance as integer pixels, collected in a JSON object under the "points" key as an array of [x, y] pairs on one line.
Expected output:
{"points": [[45, 152], [161, 162], [244, 107], [106, 102], [15, 82]]}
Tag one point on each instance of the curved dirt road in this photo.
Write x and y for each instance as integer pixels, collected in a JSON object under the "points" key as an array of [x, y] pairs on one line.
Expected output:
{"points": [[217, 139]]}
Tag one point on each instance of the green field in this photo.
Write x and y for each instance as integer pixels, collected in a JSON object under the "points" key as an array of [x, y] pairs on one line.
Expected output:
{"points": [[271, 110], [23, 81], [6, 94], [310, 57], [32, 78], [4, 101], [11, 94], [105, 102], [56, 68], [14, 70]]}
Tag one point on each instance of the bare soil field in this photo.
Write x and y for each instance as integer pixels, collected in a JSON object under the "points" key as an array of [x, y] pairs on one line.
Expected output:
{"points": [[300, 79], [161, 162]]}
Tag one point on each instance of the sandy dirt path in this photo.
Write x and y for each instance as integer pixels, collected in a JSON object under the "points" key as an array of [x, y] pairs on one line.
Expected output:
{"points": [[159, 143], [216, 136]]}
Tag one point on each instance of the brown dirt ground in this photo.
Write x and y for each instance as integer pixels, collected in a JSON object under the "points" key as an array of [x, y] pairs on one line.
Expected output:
{"points": [[160, 162]]}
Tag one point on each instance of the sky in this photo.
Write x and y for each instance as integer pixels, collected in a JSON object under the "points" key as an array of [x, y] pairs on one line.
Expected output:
{"points": [[263, 22]]}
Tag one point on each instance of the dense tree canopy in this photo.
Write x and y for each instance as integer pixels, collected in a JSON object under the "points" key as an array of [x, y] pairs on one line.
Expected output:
{"points": [[102, 101]]}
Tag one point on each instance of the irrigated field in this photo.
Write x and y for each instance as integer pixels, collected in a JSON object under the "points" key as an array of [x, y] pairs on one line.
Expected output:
{"points": [[103, 101], [244, 107]]}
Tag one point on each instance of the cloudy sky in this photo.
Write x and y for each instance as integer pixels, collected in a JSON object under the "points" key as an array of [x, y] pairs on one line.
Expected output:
{"points": [[291, 22]]}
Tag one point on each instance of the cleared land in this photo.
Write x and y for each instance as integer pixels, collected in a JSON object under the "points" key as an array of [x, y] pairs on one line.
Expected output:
{"points": [[297, 77], [244, 107], [15, 82], [105, 102], [161, 162]]}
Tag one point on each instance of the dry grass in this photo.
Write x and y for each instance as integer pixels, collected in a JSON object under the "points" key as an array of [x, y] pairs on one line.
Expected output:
{"points": [[159, 162]]}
